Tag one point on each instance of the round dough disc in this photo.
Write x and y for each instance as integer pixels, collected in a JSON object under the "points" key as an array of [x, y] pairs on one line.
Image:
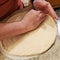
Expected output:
{"points": [[31, 43], [37, 41], [34, 42]]}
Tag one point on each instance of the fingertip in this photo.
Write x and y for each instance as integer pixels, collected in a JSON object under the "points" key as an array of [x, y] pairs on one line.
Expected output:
{"points": [[56, 18], [40, 3]]}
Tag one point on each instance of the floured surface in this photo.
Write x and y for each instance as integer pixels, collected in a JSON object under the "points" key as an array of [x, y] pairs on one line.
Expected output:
{"points": [[34, 42]]}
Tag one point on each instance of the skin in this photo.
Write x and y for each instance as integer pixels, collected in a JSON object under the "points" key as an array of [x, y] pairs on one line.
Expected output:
{"points": [[45, 7], [28, 23]]}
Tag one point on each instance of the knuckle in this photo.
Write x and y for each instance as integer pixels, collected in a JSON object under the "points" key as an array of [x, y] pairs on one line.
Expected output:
{"points": [[34, 12]]}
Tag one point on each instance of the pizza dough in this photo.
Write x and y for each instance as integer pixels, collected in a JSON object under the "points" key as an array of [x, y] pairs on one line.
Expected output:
{"points": [[34, 42]]}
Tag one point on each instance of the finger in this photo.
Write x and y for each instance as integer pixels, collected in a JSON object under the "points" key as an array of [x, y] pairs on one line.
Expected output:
{"points": [[38, 13], [45, 7], [35, 11], [39, 4], [40, 21], [41, 16], [51, 11]]}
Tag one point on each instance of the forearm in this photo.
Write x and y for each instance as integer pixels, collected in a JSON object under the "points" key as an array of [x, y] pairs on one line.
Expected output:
{"points": [[11, 29]]}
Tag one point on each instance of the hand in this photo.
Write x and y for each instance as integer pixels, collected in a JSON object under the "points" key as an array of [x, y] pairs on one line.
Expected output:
{"points": [[32, 19], [45, 7]]}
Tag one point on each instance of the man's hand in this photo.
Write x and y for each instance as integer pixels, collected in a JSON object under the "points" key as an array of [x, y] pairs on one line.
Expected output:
{"points": [[32, 19], [45, 7]]}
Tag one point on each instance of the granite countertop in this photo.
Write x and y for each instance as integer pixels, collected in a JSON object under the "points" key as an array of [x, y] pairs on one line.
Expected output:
{"points": [[51, 54]]}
